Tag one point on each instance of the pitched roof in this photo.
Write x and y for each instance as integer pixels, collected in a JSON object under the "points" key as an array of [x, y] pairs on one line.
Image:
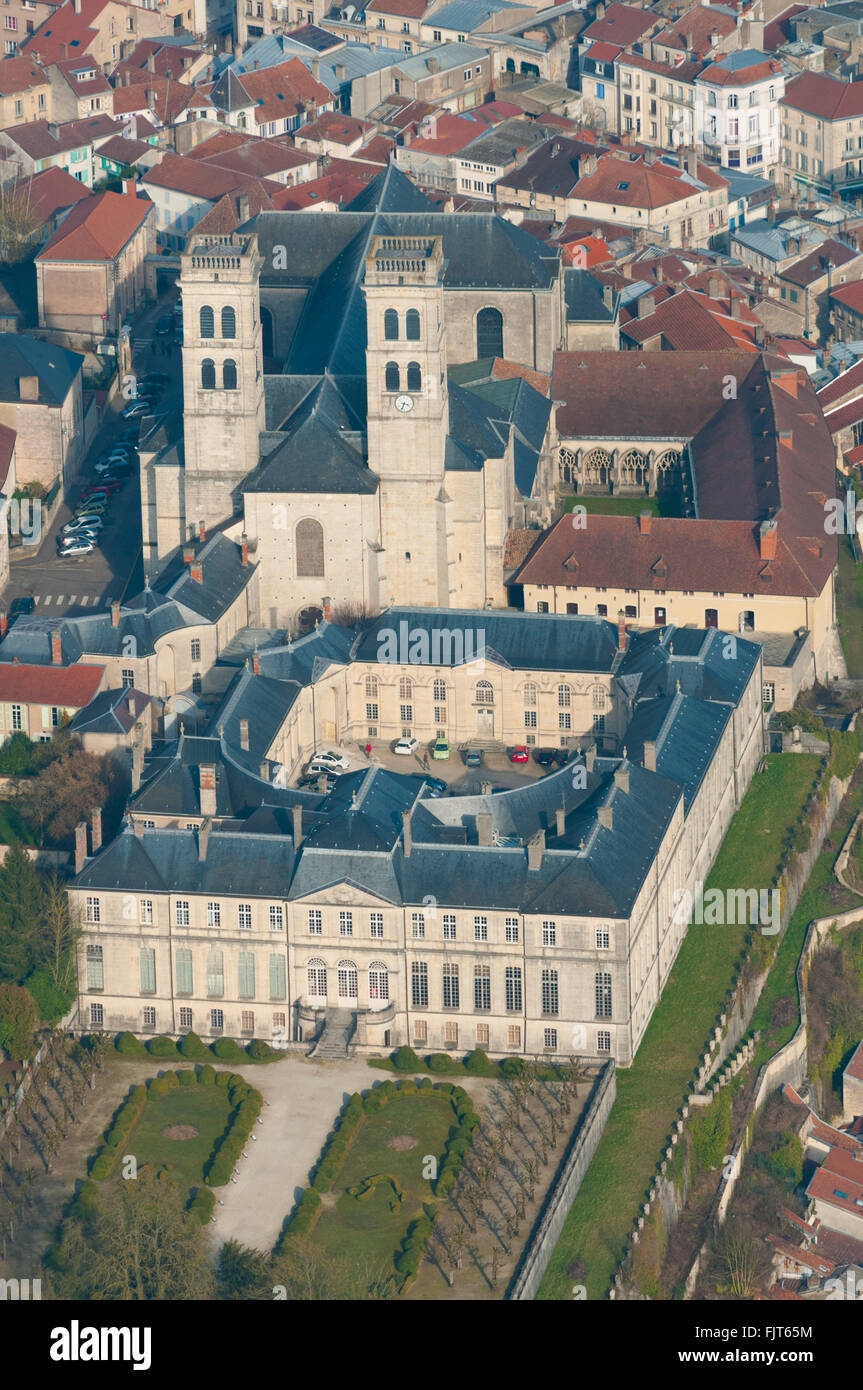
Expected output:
{"points": [[850, 295], [38, 139], [812, 266], [50, 191], [71, 687], [196, 177], [741, 69], [621, 24], [94, 84], [693, 29], [406, 9], [20, 75], [824, 96], [691, 320], [97, 229], [624, 182], [56, 367], [66, 28], [167, 98], [8, 439]]}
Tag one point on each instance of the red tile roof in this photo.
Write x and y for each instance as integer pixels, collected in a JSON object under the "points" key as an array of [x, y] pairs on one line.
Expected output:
{"points": [[196, 177], [84, 87], [70, 687], [167, 58], [98, 229], [813, 265], [719, 76], [336, 127], [624, 182], [850, 295], [286, 90], [621, 24], [585, 251], [695, 321], [230, 211], [165, 97], [452, 134], [20, 75], [256, 158], [693, 29], [50, 191], [854, 1068], [780, 29], [342, 182], [36, 140], [405, 9], [64, 30], [605, 52], [839, 1183], [849, 380], [827, 97]]}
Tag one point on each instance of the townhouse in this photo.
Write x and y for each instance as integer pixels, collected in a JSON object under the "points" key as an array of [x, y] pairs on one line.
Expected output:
{"points": [[822, 136], [737, 111], [25, 92], [37, 700], [41, 400], [106, 30], [72, 146], [807, 284]]}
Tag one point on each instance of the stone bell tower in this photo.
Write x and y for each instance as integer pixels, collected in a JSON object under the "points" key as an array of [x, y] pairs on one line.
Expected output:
{"points": [[223, 379], [407, 415]]}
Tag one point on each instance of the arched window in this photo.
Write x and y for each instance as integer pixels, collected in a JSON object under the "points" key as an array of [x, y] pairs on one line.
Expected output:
{"points": [[379, 982], [597, 467], [415, 377], [489, 333], [316, 976], [347, 973], [207, 322], [229, 374], [310, 548], [391, 325], [371, 687], [564, 696], [484, 693], [392, 379], [530, 692], [412, 325], [208, 374], [229, 322], [406, 688]]}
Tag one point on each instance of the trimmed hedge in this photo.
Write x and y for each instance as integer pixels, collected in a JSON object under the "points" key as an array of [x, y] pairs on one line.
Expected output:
{"points": [[298, 1226], [186, 1078], [207, 1076], [163, 1047], [227, 1050], [248, 1104], [405, 1059], [259, 1051], [191, 1047], [129, 1046], [202, 1205], [121, 1127]]}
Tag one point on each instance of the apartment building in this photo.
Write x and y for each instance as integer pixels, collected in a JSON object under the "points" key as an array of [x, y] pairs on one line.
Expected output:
{"points": [[737, 111], [20, 19], [106, 30], [25, 92], [822, 137]]}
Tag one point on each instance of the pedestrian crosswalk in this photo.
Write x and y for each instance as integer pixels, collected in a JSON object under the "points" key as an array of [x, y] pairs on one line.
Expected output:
{"points": [[62, 601]]}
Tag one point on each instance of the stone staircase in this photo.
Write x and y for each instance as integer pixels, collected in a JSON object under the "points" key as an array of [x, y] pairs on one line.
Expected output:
{"points": [[333, 1045]]}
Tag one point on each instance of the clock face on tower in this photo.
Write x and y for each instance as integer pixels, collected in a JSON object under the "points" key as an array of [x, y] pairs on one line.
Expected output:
{"points": [[404, 404]]}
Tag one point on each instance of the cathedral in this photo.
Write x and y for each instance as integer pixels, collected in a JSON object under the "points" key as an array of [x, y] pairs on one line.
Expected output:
{"points": [[366, 402]]}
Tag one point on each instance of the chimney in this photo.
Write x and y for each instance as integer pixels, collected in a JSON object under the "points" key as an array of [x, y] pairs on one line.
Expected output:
{"points": [[137, 760], [339, 70], [316, 69], [771, 214], [196, 572], [692, 163], [204, 839], [787, 381], [407, 839], [151, 62], [714, 286], [734, 302], [256, 664], [151, 98], [76, 6], [605, 816], [560, 821], [535, 850], [80, 845], [207, 774], [297, 813], [767, 538], [132, 706], [483, 828], [202, 532], [646, 306], [621, 778], [115, 613], [244, 735], [96, 830], [681, 158], [621, 631], [130, 188], [608, 298], [56, 649], [590, 758], [188, 554], [644, 520], [28, 388], [243, 207], [244, 550]]}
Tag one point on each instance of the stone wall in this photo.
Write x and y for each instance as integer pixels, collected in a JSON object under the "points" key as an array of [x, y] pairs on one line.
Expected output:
{"points": [[562, 1192]]}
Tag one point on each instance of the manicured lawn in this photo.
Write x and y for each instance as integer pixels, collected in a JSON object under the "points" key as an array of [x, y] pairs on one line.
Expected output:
{"points": [[205, 1107], [651, 1091], [367, 1227], [849, 604], [623, 506]]}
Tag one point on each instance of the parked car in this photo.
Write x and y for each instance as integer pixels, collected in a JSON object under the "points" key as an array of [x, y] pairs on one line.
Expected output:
{"points": [[440, 749], [136, 409], [78, 545], [94, 515], [74, 528], [21, 607], [311, 780], [436, 786], [164, 326], [473, 757], [329, 761], [154, 379], [519, 754], [131, 435], [406, 746], [100, 492], [549, 757]]}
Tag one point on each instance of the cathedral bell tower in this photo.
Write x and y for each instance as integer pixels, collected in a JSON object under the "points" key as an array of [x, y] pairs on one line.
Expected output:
{"points": [[408, 416], [223, 380]]}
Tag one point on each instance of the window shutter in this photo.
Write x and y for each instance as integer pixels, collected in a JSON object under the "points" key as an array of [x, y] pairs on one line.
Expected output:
{"points": [[184, 971], [278, 984]]}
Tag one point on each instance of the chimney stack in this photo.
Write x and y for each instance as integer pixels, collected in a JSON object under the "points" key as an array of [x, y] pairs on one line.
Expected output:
{"points": [[560, 821], [256, 664], [621, 778], [56, 648], [407, 838], [590, 758], [207, 773], [621, 631], [644, 520], [115, 613], [204, 839], [96, 830], [244, 735], [483, 828], [132, 706], [535, 850], [188, 553], [202, 532], [646, 306], [4, 624], [650, 755], [767, 538], [244, 550], [297, 813], [130, 188], [28, 388], [196, 572], [605, 816], [80, 846]]}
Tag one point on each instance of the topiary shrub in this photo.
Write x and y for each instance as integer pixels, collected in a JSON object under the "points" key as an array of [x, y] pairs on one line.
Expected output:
{"points": [[186, 1078], [191, 1047], [405, 1059], [408, 1088], [171, 1079], [227, 1050], [129, 1046], [202, 1205], [223, 1078], [478, 1064], [512, 1066], [372, 1103], [162, 1047], [207, 1076], [158, 1088], [260, 1051]]}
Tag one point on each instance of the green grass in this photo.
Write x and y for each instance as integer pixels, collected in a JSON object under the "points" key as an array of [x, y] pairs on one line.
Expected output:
{"points": [[650, 1092], [205, 1107], [13, 827], [367, 1228], [623, 506], [849, 605]]}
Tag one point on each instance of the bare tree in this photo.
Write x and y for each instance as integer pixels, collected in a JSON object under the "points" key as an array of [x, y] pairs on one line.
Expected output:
{"points": [[19, 223]]}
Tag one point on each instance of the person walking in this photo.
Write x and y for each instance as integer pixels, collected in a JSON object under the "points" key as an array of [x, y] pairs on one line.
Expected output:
{"points": [[426, 761]]}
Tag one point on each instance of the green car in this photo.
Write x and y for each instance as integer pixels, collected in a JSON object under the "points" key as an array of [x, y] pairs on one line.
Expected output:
{"points": [[440, 749]]}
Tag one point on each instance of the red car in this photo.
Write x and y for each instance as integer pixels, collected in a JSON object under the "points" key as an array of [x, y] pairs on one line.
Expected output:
{"points": [[519, 754], [100, 490]]}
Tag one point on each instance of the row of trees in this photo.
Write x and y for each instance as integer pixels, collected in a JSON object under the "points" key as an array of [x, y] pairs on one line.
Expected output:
{"points": [[38, 936]]}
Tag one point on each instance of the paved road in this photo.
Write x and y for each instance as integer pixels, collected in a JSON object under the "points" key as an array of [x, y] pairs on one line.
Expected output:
{"points": [[70, 587], [466, 781]]}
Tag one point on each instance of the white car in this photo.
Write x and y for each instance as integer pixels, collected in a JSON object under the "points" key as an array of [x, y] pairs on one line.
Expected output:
{"points": [[407, 746], [329, 762], [77, 545]]}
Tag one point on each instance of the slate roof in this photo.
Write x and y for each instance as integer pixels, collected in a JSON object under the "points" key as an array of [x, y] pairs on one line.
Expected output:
{"points": [[110, 712], [56, 368], [521, 641]]}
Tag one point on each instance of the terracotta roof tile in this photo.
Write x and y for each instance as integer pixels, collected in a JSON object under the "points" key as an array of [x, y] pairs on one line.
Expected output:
{"points": [[621, 24], [827, 97], [97, 229], [20, 75], [71, 687]]}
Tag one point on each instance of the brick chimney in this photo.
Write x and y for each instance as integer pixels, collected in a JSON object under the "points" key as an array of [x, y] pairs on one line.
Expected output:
{"points": [[483, 828], [56, 648], [767, 538], [621, 631], [130, 188], [605, 816], [196, 571], [297, 814], [244, 550], [244, 735], [326, 605], [80, 845], [535, 851], [115, 613], [202, 532], [644, 520], [28, 388], [590, 758], [650, 755], [188, 554], [4, 624], [560, 821], [407, 837], [207, 773], [96, 830], [256, 664], [734, 302], [646, 306], [621, 778]]}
